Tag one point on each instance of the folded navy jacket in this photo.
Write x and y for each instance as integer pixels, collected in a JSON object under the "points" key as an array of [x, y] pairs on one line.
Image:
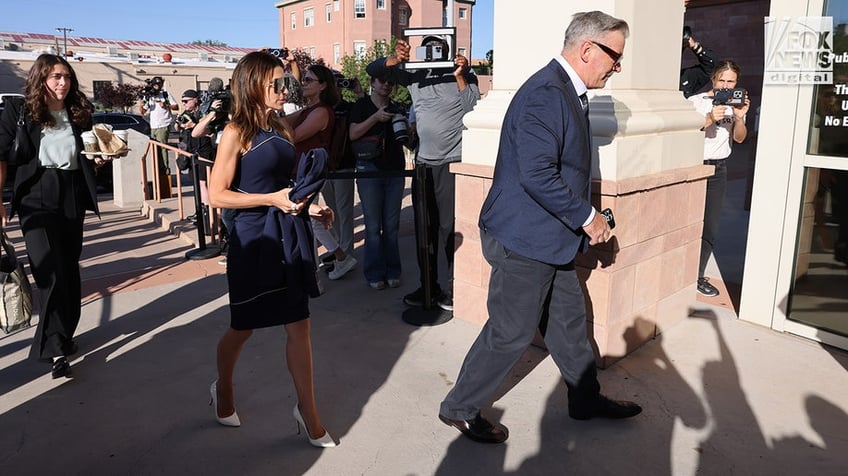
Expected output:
{"points": [[296, 230]]}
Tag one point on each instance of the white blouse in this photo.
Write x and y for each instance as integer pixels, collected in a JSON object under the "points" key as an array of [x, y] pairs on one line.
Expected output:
{"points": [[58, 149]]}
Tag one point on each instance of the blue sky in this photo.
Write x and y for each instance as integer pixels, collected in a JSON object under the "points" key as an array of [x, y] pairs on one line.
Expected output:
{"points": [[250, 24]]}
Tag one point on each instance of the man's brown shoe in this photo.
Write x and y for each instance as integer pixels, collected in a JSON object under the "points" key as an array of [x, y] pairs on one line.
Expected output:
{"points": [[478, 429]]}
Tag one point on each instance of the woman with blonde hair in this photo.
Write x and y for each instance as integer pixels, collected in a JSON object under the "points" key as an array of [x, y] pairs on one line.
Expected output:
{"points": [[253, 174], [723, 125]]}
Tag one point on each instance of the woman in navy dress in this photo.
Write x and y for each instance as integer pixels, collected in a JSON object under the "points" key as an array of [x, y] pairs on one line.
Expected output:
{"points": [[253, 175]]}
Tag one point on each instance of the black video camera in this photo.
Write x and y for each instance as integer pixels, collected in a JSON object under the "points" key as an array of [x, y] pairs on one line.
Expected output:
{"points": [[208, 97], [149, 90], [729, 97]]}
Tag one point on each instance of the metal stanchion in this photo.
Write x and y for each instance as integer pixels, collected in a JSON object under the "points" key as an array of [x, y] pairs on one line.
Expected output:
{"points": [[428, 314], [202, 251]]}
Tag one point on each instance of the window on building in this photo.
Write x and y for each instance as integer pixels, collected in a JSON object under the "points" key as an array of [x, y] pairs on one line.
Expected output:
{"points": [[403, 16], [381, 4], [463, 13], [308, 17], [337, 53], [336, 5], [359, 8], [328, 10], [98, 87], [359, 49], [312, 52], [293, 20]]}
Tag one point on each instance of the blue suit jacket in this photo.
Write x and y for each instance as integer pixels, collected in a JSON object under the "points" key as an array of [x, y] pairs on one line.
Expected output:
{"points": [[540, 193]]}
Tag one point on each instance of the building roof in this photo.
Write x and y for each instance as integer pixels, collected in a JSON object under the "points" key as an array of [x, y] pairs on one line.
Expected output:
{"points": [[131, 45]]}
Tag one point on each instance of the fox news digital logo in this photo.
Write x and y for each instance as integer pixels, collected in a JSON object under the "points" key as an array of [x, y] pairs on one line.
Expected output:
{"points": [[799, 50]]}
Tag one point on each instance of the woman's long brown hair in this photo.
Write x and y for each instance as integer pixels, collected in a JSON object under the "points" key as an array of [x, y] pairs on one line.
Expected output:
{"points": [[249, 83], [36, 94]]}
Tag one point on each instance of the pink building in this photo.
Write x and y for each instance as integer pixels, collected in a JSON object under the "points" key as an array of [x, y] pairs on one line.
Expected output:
{"points": [[332, 29]]}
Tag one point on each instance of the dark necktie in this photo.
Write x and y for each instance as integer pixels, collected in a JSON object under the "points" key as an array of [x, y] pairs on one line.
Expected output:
{"points": [[584, 101]]}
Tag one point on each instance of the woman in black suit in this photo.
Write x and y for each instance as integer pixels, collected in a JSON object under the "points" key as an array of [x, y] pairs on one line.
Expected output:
{"points": [[54, 186]]}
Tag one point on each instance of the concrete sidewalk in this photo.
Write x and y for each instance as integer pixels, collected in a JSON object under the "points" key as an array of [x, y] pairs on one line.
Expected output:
{"points": [[720, 396]]}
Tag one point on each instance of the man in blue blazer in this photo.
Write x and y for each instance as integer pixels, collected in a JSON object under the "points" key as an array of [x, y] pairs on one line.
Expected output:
{"points": [[535, 219]]}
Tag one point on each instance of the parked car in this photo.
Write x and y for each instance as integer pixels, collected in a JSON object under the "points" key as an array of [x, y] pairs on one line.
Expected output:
{"points": [[118, 121], [122, 121]]}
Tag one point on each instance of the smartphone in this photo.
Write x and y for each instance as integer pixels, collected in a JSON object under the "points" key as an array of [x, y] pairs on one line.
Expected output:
{"points": [[607, 213]]}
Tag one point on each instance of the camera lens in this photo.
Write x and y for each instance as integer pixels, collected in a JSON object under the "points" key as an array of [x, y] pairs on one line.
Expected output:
{"points": [[399, 128]]}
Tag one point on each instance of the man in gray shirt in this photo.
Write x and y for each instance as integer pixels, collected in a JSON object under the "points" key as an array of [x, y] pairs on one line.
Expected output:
{"points": [[441, 98]]}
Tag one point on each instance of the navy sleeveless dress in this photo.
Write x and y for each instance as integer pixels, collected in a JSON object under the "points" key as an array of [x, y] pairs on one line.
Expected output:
{"points": [[260, 280]]}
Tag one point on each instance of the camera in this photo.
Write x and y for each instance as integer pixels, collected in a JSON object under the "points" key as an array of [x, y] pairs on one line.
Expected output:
{"points": [[729, 97], [185, 117], [208, 97], [281, 53], [346, 83], [431, 53], [221, 113], [149, 90], [400, 128]]}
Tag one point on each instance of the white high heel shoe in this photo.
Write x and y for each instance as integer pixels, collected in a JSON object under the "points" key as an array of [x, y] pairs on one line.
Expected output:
{"points": [[232, 420], [325, 441]]}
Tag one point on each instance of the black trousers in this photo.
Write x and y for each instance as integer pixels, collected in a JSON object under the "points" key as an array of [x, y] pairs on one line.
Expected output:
{"points": [[440, 192], [52, 213], [716, 190]]}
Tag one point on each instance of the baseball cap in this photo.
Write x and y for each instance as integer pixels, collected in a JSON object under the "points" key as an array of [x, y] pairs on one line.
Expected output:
{"points": [[190, 93]]}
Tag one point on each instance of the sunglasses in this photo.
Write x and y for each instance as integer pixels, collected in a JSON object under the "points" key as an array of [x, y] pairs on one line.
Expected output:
{"points": [[307, 80], [187, 100], [279, 85], [615, 56]]}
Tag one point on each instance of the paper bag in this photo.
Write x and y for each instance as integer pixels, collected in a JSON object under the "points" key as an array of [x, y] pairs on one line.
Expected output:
{"points": [[109, 143]]}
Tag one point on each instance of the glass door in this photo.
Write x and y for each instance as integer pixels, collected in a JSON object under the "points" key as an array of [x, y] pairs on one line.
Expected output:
{"points": [[817, 303]]}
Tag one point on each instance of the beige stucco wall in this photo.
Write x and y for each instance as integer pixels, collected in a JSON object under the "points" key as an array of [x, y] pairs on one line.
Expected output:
{"points": [[178, 77]]}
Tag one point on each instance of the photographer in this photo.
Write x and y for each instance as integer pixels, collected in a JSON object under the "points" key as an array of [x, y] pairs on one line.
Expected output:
{"points": [[441, 98], [723, 125], [159, 104], [214, 110], [186, 122], [378, 131], [694, 78]]}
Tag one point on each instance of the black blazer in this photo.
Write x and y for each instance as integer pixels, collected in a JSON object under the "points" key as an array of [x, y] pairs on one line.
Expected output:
{"points": [[28, 172]]}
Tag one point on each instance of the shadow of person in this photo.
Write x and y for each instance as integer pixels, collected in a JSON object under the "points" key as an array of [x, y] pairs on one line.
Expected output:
{"points": [[826, 454], [641, 445], [736, 442]]}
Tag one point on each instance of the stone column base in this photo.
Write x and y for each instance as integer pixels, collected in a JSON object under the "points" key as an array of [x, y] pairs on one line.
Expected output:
{"points": [[637, 284]]}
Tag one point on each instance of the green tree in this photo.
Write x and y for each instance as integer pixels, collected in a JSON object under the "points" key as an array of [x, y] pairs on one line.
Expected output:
{"points": [[118, 97], [208, 43], [490, 58], [353, 66]]}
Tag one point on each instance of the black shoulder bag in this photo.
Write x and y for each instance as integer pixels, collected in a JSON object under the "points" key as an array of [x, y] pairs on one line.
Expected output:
{"points": [[22, 147]]}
